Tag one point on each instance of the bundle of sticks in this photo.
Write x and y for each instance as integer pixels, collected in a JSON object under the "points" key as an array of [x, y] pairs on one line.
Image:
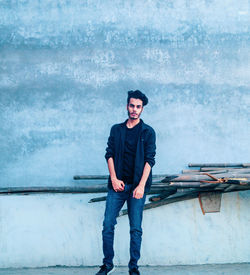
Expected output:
{"points": [[209, 175], [190, 183]]}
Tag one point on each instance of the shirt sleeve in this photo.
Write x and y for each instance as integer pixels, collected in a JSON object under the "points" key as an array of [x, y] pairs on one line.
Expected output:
{"points": [[111, 145], [150, 148]]}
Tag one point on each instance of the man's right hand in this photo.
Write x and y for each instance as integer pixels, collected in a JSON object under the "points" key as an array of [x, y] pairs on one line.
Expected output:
{"points": [[118, 185]]}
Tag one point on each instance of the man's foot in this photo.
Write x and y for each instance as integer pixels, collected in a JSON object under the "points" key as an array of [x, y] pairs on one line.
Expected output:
{"points": [[134, 271], [104, 270]]}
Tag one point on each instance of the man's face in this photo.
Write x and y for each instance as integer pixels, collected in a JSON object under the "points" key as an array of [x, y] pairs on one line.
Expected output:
{"points": [[135, 108]]}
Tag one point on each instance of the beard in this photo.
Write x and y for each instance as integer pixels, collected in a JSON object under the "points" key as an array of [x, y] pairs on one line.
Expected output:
{"points": [[133, 117]]}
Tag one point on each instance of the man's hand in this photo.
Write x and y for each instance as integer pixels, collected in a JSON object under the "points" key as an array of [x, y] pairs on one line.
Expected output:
{"points": [[118, 185], [138, 192]]}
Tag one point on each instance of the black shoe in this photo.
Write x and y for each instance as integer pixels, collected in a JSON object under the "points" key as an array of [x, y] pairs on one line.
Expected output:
{"points": [[104, 270], [134, 271]]}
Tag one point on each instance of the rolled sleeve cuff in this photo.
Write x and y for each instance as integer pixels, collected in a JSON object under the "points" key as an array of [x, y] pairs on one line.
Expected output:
{"points": [[108, 155], [151, 162]]}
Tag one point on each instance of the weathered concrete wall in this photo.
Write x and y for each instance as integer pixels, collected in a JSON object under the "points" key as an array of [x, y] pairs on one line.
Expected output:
{"points": [[48, 230], [65, 67]]}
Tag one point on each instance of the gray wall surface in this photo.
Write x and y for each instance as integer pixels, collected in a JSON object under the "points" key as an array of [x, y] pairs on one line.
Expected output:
{"points": [[65, 68], [64, 229]]}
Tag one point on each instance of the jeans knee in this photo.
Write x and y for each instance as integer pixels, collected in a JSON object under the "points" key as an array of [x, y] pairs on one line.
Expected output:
{"points": [[137, 230], [108, 225]]}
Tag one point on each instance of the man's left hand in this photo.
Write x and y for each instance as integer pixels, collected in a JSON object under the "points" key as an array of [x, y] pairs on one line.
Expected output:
{"points": [[138, 192]]}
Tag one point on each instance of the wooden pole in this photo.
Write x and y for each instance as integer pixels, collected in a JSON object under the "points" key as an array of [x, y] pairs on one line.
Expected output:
{"points": [[164, 194], [98, 199], [187, 196], [221, 170], [185, 171], [219, 165], [100, 188], [192, 178], [90, 177], [101, 177]]}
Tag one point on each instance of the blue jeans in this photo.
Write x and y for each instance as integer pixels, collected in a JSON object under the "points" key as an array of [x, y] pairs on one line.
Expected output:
{"points": [[114, 203]]}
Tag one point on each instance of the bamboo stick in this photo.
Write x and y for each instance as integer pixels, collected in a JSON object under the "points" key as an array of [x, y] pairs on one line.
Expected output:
{"points": [[100, 188], [184, 171], [224, 171], [164, 194], [91, 177], [101, 177], [59, 189], [177, 198], [186, 184], [218, 170], [229, 188], [207, 169], [200, 177], [98, 199], [219, 165]]}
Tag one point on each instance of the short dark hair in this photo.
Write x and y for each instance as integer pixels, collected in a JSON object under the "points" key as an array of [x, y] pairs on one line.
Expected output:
{"points": [[138, 95]]}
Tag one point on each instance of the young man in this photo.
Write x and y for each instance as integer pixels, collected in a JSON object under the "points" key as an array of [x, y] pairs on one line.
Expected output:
{"points": [[130, 156]]}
